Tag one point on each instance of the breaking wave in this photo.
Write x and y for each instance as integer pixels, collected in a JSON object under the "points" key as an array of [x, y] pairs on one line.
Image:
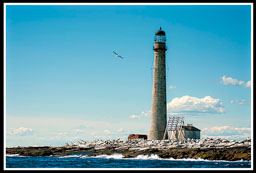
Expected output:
{"points": [[156, 157], [147, 157], [113, 156], [14, 155], [139, 157]]}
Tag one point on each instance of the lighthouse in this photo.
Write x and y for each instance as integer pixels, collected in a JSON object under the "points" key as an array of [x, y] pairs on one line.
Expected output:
{"points": [[158, 110]]}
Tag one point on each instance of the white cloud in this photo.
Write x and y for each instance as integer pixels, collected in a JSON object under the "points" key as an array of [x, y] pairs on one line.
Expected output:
{"points": [[120, 130], [231, 137], [142, 114], [146, 113], [56, 131], [226, 131], [188, 104], [231, 81], [134, 116], [172, 87], [247, 84], [240, 102], [22, 131], [107, 131], [78, 131]]}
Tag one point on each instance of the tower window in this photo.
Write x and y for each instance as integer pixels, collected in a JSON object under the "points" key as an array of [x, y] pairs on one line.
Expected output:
{"points": [[160, 38]]}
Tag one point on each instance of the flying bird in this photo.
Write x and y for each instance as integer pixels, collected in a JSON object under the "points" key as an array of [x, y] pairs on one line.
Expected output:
{"points": [[118, 55]]}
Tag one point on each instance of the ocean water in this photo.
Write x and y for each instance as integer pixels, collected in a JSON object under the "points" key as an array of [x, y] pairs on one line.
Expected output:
{"points": [[116, 161]]}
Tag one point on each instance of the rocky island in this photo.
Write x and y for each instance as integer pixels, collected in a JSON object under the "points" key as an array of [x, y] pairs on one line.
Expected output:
{"points": [[208, 148]]}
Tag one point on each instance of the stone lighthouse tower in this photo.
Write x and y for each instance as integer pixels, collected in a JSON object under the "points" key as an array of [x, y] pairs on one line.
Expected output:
{"points": [[158, 112]]}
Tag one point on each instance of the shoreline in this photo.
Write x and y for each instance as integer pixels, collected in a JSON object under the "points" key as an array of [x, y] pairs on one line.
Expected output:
{"points": [[209, 149], [139, 157]]}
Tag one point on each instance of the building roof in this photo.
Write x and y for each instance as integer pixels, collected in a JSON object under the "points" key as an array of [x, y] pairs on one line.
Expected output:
{"points": [[160, 32], [190, 128]]}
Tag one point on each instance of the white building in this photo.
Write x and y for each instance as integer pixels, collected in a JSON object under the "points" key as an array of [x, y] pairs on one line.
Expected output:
{"points": [[184, 132], [176, 129]]}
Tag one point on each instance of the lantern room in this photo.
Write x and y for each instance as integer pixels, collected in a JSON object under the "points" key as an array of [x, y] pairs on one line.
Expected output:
{"points": [[160, 36]]}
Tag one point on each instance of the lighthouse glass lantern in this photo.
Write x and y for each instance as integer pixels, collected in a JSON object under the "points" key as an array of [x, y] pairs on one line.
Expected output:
{"points": [[160, 36]]}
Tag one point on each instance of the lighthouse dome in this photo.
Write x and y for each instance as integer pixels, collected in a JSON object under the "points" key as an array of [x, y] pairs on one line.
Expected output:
{"points": [[160, 32]]}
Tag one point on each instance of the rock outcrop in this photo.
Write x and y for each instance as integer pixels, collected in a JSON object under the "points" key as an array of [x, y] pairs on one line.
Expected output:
{"points": [[208, 148]]}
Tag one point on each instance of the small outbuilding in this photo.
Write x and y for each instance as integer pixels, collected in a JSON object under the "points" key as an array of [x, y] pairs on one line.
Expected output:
{"points": [[177, 130], [137, 136], [184, 132]]}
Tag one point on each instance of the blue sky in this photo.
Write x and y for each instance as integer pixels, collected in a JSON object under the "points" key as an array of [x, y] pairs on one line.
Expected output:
{"points": [[64, 84]]}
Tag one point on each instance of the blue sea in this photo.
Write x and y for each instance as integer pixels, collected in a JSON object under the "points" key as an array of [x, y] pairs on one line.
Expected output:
{"points": [[116, 161]]}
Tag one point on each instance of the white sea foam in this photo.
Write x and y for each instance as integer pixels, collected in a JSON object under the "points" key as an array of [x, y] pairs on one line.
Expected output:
{"points": [[69, 156], [205, 160], [190, 159], [147, 157], [156, 157], [113, 156], [14, 155]]}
